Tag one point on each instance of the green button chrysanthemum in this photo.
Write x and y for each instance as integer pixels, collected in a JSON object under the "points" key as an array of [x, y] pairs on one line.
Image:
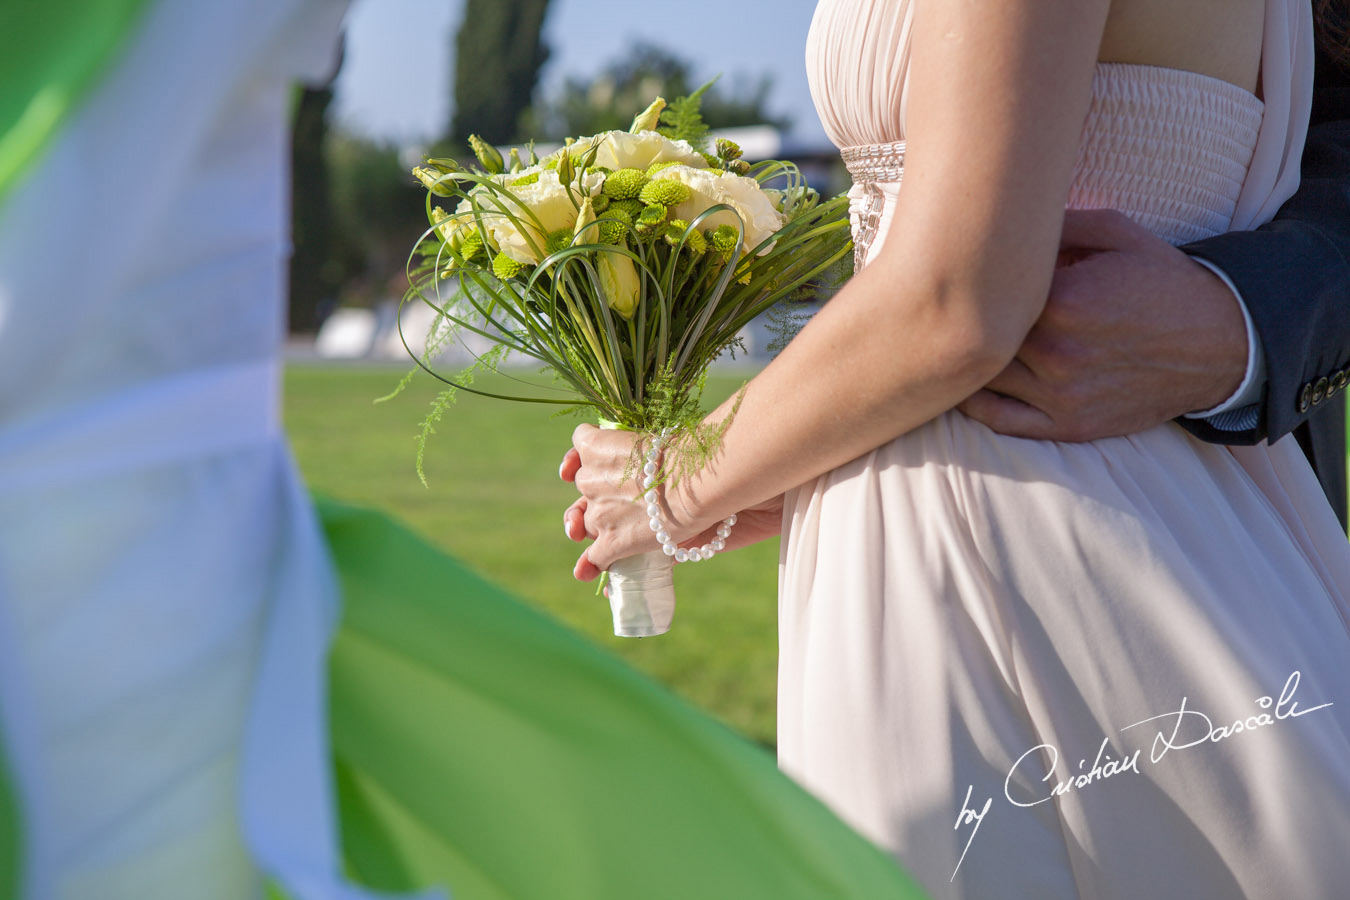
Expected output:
{"points": [[532, 178], [723, 240], [650, 217], [658, 166], [625, 184], [632, 207], [472, 246], [666, 193], [557, 240], [615, 230], [600, 203], [504, 267], [675, 235]]}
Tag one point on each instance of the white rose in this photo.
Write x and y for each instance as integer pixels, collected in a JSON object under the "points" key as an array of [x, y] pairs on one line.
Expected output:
{"points": [[758, 213], [546, 201], [623, 150]]}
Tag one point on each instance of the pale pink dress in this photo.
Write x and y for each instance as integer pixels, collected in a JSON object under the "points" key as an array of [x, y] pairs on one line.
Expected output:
{"points": [[956, 599]]}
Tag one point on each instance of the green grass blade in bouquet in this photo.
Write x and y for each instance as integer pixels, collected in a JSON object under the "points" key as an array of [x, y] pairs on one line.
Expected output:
{"points": [[624, 264]]}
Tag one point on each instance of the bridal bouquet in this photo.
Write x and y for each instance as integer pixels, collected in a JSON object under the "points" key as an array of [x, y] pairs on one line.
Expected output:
{"points": [[624, 263]]}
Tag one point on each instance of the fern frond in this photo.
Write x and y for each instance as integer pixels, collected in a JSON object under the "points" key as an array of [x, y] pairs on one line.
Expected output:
{"points": [[682, 120]]}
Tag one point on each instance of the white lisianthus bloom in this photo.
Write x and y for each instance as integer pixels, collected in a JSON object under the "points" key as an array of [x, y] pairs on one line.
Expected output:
{"points": [[758, 212], [540, 208], [456, 226], [624, 150], [524, 174]]}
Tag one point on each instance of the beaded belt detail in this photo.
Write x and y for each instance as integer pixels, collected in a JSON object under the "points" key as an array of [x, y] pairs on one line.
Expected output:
{"points": [[872, 165]]}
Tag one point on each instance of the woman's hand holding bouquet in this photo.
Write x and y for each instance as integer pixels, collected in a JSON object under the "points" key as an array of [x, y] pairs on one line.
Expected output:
{"points": [[608, 514], [624, 264]]}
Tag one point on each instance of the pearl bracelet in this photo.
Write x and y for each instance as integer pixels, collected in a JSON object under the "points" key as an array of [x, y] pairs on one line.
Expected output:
{"points": [[654, 515]]}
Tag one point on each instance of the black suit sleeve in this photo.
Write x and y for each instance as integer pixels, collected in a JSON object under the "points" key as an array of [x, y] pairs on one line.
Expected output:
{"points": [[1294, 275]]}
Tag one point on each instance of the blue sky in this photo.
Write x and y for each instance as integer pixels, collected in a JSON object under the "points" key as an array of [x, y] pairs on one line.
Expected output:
{"points": [[394, 83]]}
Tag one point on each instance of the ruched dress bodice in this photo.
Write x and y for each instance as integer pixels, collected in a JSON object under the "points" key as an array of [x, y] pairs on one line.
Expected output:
{"points": [[965, 616], [1169, 148]]}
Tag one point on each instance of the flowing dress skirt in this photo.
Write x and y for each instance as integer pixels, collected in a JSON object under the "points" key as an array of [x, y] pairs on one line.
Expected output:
{"points": [[968, 617]]}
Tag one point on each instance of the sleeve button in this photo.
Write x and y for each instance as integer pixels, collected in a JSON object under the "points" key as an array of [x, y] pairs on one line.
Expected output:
{"points": [[1319, 391], [1305, 398]]}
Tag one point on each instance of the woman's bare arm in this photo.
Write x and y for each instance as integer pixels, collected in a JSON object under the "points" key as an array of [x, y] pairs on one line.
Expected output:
{"points": [[998, 94]]}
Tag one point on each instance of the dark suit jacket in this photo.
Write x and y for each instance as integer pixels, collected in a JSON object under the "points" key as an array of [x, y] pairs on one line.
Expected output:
{"points": [[1294, 274]]}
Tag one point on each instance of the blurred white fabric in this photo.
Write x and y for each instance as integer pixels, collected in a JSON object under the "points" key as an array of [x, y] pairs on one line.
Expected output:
{"points": [[165, 596]]}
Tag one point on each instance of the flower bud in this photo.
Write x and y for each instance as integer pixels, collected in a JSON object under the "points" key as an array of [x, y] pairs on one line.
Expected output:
{"points": [[585, 218], [567, 170], [619, 280], [444, 165], [434, 181], [438, 216], [588, 161], [647, 119], [728, 150], [515, 162], [489, 157]]}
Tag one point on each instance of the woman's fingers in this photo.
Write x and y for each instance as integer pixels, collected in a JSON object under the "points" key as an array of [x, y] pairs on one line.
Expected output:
{"points": [[574, 521], [599, 466], [571, 462], [585, 570]]}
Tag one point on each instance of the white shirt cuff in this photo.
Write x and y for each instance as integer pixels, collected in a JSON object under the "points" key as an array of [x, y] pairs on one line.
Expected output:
{"points": [[1248, 393]]}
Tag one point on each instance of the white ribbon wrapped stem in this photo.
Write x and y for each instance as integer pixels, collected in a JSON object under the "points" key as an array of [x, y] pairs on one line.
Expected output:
{"points": [[642, 594], [641, 588]]}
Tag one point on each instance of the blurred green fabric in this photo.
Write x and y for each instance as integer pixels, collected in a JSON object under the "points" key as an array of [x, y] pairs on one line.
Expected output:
{"points": [[51, 52], [481, 746], [10, 843]]}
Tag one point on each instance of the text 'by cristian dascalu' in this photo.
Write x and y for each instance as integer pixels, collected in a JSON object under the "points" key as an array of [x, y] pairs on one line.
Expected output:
{"points": [[1188, 728]]}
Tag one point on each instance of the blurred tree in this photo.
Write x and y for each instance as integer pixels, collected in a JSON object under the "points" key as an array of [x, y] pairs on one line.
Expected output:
{"points": [[627, 85], [499, 50], [377, 208], [313, 278]]}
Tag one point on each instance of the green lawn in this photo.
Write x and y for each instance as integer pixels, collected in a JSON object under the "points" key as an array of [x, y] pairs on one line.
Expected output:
{"points": [[496, 503]]}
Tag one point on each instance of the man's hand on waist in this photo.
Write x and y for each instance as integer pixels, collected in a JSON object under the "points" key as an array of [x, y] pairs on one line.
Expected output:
{"points": [[1134, 333]]}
